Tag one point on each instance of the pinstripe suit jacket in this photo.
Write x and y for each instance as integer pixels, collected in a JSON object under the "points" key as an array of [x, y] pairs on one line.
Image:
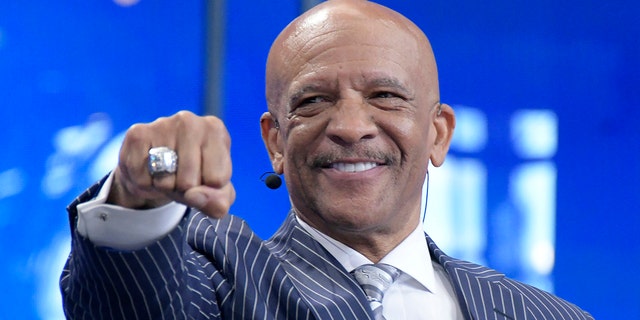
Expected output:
{"points": [[214, 269]]}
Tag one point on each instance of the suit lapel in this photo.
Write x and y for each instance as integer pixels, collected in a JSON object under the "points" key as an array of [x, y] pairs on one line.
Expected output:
{"points": [[478, 289], [327, 288], [331, 292]]}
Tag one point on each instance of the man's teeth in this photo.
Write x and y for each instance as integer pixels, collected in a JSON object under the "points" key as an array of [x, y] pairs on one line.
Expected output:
{"points": [[354, 167]]}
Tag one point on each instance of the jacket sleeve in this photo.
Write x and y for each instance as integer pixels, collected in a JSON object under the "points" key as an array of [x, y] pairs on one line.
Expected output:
{"points": [[155, 282]]}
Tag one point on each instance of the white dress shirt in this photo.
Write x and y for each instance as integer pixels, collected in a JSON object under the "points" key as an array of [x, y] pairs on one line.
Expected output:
{"points": [[125, 229], [422, 291]]}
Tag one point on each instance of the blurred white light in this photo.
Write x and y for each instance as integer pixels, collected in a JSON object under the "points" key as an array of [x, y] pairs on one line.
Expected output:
{"points": [[74, 146], [533, 190], [12, 182], [534, 133], [126, 3], [47, 266], [83, 141], [59, 176], [471, 130], [542, 257], [107, 158], [456, 212]]}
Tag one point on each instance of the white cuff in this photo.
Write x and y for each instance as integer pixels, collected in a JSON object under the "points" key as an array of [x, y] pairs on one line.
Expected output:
{"points": [[122, 228]]}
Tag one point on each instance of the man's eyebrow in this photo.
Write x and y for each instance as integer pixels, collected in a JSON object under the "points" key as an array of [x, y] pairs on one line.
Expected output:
{"points": [[388, 82]]}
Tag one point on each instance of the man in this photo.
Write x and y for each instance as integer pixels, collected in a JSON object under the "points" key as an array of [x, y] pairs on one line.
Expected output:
{"points": [[354, 119]]}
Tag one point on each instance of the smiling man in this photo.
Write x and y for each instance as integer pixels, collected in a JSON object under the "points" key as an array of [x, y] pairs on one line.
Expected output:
{"points": [[354, 119], [355, 97]]}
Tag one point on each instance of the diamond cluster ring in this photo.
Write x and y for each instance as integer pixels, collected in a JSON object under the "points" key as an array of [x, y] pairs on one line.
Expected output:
{"points": [[162, 160]]}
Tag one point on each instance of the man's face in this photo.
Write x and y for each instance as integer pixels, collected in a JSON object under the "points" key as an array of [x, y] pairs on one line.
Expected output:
{"points": [[355, 107]]}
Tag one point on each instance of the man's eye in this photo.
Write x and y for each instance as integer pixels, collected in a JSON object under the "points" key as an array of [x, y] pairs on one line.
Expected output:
{"points": [[312, 100], [384, 95], [310, 106]]}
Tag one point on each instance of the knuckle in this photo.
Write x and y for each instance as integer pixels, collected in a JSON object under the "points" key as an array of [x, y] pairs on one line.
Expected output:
{"points": [[216, 179], [216, 127], [185, 114], [184, 120], [213, 121], [183, 117], [136, 133]]}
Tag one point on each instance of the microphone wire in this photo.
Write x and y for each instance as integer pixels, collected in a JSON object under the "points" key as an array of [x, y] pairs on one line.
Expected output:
{"points": [[426, 199]]}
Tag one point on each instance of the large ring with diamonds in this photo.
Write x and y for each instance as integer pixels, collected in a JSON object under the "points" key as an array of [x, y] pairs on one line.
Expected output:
{"points": [[162, 160]]}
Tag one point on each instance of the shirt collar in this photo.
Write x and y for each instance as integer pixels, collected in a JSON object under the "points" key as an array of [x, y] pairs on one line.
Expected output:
{"points": [[411, 256]]}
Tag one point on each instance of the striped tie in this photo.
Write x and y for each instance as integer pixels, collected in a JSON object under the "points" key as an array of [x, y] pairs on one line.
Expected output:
{"points": [[375, 279]]}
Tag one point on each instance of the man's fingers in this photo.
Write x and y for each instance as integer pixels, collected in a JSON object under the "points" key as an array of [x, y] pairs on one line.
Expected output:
{"points": [[203, 174], [216, 155], [134, 156], [128, 194], [214, 202], [190, 132]]}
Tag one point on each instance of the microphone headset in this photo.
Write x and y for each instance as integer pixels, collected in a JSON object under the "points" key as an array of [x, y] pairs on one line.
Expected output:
{"points": [[272, 181]]}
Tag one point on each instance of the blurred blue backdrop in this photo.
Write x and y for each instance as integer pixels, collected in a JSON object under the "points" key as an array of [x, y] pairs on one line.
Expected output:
{"points": [[542, 180]]}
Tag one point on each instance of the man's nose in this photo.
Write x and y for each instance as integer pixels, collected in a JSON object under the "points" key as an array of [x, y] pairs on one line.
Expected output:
{"points": [[351, 122]]}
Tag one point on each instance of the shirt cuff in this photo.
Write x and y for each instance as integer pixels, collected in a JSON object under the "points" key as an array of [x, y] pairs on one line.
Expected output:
{"points": [[121, 228]]}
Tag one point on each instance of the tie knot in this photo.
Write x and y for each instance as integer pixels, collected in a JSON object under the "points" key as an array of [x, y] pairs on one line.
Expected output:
{"points": [[375, 279]]}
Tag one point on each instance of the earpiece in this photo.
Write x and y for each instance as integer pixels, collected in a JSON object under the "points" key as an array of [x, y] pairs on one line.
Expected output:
{"points": [[272, 181]]}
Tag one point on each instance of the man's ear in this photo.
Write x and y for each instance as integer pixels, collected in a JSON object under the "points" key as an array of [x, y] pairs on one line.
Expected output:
{"points": [[272, 137], [444, 122]]}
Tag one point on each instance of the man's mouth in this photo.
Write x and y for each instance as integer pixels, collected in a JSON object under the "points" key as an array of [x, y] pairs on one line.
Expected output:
{"points": [[353, 167]]}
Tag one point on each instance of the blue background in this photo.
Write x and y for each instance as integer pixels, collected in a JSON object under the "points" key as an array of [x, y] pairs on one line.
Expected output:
{"points": [[74, 76]]}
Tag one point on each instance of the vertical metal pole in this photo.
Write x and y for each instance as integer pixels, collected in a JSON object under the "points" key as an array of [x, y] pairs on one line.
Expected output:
{"points": [[215, 50], [215, 25]]}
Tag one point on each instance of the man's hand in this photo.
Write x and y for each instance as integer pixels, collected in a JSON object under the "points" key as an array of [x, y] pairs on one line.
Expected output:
{"points": [[203, 176]]}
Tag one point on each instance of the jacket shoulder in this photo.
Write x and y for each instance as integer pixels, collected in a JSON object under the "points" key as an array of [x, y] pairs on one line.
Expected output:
{"points": [[540, 302], [483, 291]]}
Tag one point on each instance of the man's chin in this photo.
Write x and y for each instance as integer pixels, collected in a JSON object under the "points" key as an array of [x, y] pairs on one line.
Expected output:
{"points": [[352, 218]]}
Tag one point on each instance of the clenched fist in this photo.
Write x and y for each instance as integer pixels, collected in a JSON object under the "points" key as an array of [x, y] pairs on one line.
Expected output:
{"points": [[203, 176]]}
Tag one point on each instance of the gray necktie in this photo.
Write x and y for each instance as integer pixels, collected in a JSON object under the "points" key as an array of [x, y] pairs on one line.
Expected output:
{"points": [[375, 279]]}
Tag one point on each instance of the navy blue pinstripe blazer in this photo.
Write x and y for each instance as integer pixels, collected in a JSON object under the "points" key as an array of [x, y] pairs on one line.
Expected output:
{"points": [[219, 269]]}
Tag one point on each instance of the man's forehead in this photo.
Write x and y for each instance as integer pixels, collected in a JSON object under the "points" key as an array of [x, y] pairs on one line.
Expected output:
{"points": [[356, 23]]}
